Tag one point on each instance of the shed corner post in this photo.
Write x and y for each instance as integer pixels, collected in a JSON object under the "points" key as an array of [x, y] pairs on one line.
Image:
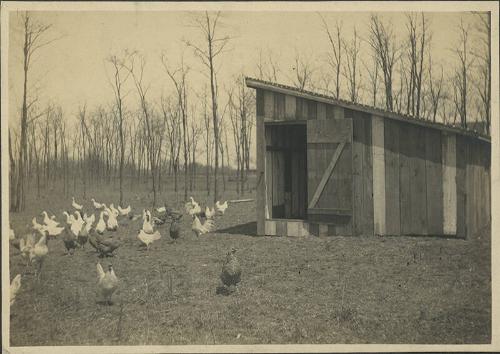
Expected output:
{"points": [[260, 164], [378, 150]]}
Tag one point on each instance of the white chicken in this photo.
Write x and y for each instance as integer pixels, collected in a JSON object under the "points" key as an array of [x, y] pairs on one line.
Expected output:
{"points": [[124, 212], [53, 230], [26, 245], [111, 223], [76, 205], [192, 207], [147, 239], [101, 225], [38, 253], [96, 204], [200, 229], [49, 221], [36, 225], [107, 282], [114, 210], [221, 208], [77, 224], [209, 213], [69, 218], [12, 235], [147, 225], [161, 209], [89, 221], [15, 285]]}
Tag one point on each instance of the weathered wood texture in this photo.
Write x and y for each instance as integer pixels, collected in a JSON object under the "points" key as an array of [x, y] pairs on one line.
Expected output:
{"points": [[449, 183], [260, 164], [461, 163], [379, 200], [362, 173], [391, 141], [434, 181]]}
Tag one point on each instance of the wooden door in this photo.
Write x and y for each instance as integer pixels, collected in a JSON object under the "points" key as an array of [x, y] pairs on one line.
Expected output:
{"points": [[329, 163]]}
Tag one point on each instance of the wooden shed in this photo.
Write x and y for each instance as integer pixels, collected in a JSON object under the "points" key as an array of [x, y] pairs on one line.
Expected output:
{"points": [[331, 167]]}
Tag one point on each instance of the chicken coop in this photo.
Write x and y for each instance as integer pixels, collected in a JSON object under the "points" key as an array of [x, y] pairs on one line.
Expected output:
{"points": [[332, 167]]}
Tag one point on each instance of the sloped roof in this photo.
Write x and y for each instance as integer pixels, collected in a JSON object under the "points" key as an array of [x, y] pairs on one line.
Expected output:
{"points": [[293, 91]]}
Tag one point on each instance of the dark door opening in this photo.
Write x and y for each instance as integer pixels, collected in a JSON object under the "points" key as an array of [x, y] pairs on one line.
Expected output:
{"points": [[286, 171]]}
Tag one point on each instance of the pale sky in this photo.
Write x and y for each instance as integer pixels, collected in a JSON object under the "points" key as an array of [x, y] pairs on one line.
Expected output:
{"points": [[72, 71]]}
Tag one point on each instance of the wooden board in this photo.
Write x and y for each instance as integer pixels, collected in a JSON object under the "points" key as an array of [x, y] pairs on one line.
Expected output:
{"points": [[312, 112], [449, 184], [278, 184], [434, 181], [279, 106], [338, 112], [418, 183], [357, 174], [281, 227], [330, 131], [391, 141], [260, 165], [270, 228], [404, 179], [461, 160], [367, 179], [290, 108], [269, 184], [378, 175], [269, 105], [321, 110]]}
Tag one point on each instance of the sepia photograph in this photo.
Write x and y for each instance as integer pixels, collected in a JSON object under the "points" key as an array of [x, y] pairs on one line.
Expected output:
{"points": [[253, 176]]}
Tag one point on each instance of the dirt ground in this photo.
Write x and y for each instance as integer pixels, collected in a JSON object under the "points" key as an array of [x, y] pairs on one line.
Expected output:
{"points": [[293, 290]]}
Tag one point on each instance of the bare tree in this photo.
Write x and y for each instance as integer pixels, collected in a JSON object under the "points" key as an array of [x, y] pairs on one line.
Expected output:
{"points": [[267, 66], [214, 47], [460, 78], [435, 90], [351, 70], [335, 53], [120, 76], [302, 72], [373, 75], [383, 44], [34, 40], [178, 77], [482, 82]]}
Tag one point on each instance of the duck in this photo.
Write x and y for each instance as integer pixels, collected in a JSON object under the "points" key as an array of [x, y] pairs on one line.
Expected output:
{"points": [[115, 211], [39, 252], [112, 223], [53, 231], [107, 282], [147, 226], [70, 242], [148, 238], [101, 225], [49, 221], [175, 229], [96, 204], [192, 207], [209, 213], [77, 224], [105, 247], [89, 220], [161, 209], [199, 228], [76, 205], [36, 225], [221, 208], [124, 212], [69, 218], [231, 270], [15, 285]]}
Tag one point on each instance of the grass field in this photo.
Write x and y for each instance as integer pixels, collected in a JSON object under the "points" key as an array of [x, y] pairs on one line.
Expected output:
{"points": [[307, 290]]}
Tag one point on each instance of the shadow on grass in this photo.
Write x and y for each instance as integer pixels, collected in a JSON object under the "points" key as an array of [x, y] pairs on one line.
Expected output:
{"points": [[248, 229]]}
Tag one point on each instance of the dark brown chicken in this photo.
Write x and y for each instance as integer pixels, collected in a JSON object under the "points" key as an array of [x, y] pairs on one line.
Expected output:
{"points": [[231, 270], [175, 227], [70, 241], [105, 247]]}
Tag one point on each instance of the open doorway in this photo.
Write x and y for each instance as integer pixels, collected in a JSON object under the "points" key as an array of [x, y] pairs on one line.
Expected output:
{"points": [[286, 171]]}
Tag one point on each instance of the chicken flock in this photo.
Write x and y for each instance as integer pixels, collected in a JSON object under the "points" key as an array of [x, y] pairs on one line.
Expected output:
{"points": [[79, 228]]}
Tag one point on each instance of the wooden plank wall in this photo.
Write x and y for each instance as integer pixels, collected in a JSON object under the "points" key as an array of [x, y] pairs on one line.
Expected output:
{"points": [[435, 182], [378, 149], [260, 163], [392, 221], [449, 155], [362, 173]]}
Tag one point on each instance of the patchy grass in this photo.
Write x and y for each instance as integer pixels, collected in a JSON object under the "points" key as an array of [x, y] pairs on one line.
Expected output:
{"points": [[293, 290]]}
